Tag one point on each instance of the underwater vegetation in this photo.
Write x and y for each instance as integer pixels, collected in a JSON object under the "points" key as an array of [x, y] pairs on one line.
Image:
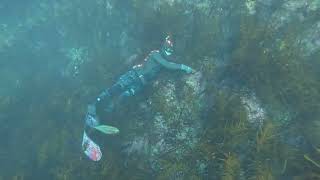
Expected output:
{"points": [[184, 129], [231, 167], [270, 62]]}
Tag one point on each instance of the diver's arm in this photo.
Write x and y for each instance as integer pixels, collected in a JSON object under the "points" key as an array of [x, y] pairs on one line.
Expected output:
{"points": [[165, 63], [171, 65]]}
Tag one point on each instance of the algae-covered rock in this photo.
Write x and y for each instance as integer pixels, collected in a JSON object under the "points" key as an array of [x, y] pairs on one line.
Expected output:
{"points": [[309, 40], [293, 11], [76, 57], [195, 82], [137, 146], [256, 113], [251, 6], [186, 126], [176, 125]]}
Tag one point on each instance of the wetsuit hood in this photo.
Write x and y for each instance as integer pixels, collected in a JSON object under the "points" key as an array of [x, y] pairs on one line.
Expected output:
{"points": [[167, 47]]}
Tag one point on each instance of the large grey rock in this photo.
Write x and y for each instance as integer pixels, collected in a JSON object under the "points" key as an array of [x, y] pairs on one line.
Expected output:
{"points": [[176, 125]]}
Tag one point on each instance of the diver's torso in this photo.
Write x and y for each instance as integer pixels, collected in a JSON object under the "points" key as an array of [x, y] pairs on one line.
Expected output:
{"points": [[150, 68]]}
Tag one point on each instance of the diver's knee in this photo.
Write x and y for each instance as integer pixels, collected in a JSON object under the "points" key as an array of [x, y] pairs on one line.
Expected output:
{"points": [[129, 92]]}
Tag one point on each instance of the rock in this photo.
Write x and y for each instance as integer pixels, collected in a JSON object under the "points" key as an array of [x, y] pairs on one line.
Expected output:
{"points": [[176, 125], [195, 82], [288, 12], [138, 146], [256, 114], [251, 6], [77, 56], [309, 40]]}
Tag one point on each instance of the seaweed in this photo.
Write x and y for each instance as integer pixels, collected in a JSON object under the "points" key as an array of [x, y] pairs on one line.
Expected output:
{"points": [[311, 160], [173, 170], [265, 137], [267, 60], [262, 172], [231, 167]]}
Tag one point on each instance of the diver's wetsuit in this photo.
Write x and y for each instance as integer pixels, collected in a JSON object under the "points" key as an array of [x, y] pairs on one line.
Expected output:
{"points": [[133, 81], [128, 85]]}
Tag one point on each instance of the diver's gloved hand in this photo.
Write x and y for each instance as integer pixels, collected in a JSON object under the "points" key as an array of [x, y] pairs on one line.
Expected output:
{"points": [[187, 69]]}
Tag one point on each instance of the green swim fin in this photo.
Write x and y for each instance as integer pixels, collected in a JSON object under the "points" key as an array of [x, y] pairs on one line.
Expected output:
{"points": [[107, 129]]}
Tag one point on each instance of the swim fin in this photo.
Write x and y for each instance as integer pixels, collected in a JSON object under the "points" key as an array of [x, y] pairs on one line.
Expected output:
{"points": [[107, 129], [91, 149]]}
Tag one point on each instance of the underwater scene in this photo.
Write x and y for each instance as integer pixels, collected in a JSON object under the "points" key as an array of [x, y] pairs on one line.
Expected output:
{"points": [[160, 90]]}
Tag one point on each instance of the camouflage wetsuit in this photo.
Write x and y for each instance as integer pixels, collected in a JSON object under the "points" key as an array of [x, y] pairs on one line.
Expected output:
{"points": [[133, 81], [127, 85]]}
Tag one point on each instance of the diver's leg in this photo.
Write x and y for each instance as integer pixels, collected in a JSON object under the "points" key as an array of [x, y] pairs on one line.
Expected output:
{"points": [[107, 94], [129, 92], [126, 81], [105, 99], [124, 95], [132, 90], [124, 87]]}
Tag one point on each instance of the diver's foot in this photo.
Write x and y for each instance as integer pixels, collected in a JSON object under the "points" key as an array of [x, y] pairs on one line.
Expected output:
{"points": [[91, 121]]}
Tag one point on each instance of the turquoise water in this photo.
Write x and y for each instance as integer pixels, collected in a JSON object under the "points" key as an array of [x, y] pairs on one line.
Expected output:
{"points": [[250, 111]]}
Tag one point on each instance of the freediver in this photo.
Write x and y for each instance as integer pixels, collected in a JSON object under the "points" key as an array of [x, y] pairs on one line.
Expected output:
{"points": [[127, 85]]}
